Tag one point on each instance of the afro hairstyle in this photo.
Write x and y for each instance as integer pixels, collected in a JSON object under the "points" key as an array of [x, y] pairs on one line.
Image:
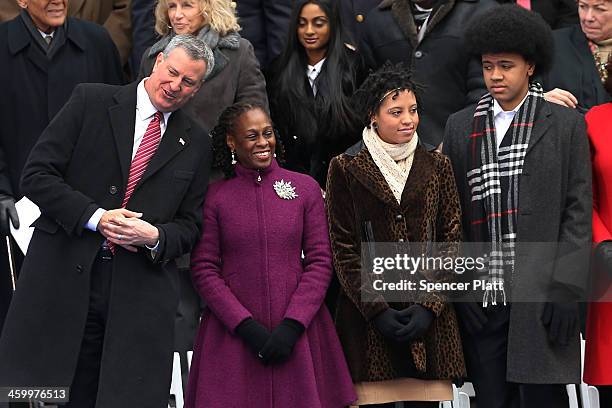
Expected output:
{"points": [[510, 28]]}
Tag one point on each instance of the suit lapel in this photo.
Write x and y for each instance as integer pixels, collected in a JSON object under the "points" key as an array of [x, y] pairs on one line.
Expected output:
{"points": [[123, 118], [367, 173], [175, 139], [19, 37], [540, 126]]}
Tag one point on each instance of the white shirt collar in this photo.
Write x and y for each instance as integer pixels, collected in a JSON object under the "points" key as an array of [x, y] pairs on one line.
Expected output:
{"points": [[144, 107], [421, 9], [497, 109], [316, 68], [43, 34]]}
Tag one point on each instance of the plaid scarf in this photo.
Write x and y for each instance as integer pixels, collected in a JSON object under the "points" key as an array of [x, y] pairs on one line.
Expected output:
{"points": [[493, 180]]}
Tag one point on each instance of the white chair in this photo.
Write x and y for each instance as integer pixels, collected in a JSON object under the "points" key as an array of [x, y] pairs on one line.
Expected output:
{"points": [[460, 400], [176, 387]]}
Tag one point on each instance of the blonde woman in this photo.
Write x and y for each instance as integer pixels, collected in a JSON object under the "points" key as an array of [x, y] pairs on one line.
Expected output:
{"points": [[235, 77]]}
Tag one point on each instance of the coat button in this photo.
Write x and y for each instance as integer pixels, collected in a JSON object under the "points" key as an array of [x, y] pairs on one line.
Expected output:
{"points": [[79, 269], [359, 18], [399, 217], [113, 190], [294, 137], [418, 54]]}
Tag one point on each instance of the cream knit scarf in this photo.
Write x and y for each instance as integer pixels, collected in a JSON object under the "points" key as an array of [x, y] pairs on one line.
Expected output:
{"points": [[393, 160]]}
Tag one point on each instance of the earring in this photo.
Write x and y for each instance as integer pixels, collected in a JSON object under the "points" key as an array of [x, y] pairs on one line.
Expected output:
{"points": [[375, 125], [233, 158], [275, 155]]}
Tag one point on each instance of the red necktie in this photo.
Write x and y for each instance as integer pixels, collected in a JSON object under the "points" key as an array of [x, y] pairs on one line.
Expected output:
{"points": [[146, 150], [524, 4]]}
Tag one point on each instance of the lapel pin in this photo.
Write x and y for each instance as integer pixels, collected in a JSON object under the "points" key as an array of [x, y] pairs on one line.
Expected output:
{"points": [[181, 141]]}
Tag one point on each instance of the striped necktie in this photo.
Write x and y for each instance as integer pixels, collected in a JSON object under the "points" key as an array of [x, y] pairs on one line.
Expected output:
{"points": [[146, 150]]}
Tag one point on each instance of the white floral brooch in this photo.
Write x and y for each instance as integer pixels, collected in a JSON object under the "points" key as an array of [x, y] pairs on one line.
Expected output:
{"points": [[285, 190]]}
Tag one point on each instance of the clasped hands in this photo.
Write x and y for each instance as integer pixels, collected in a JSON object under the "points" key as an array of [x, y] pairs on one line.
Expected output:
{"points": [[404, 325], [270, 348], [126, 228], [559, 317]]}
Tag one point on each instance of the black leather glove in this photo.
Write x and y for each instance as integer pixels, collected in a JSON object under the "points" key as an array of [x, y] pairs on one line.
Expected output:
{"points": [[388, 323], [561, 318], [603, 256], [253, 333], [417, 320], [279, 346], [471, 316], [7, 212]]}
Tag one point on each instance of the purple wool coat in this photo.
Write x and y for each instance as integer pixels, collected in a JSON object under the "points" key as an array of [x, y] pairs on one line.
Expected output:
{"points": [[248, 264]]}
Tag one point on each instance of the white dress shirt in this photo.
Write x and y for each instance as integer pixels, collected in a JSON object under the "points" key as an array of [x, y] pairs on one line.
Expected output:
{"points": [[312, 72], [45, 35], [503, 120], [144, 113]]}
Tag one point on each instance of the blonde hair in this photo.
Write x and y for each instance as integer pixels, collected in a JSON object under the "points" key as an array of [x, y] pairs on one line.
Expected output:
{"points": [[220, 14]]}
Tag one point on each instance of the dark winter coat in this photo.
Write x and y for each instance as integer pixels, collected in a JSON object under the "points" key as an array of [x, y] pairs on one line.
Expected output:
{"points": [[357, 194], [555, 206], [36, 87], [81, 163], [573, 69], [452, 79]]}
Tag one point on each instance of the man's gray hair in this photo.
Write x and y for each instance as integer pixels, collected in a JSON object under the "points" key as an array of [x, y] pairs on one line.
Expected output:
{"points": [[195, 48]]}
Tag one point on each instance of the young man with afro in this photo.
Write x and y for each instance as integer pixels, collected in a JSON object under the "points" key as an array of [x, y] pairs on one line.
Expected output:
{"points": [[522, 169]]}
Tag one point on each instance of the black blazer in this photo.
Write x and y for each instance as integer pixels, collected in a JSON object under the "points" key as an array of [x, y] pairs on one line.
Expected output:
{"points": [[574, 70], [451, 77], [304, 127], [80, 163], [36, 87]]}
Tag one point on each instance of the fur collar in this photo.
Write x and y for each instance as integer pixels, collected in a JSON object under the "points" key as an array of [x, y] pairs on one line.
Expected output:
{"points": [[362, 166]]}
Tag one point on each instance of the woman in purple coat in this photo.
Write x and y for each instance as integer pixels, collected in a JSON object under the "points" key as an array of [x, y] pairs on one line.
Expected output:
{"points": [[265, 339]]}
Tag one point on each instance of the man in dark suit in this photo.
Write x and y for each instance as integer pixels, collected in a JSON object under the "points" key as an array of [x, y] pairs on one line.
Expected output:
{"points": [[523, 173], [119, 175], [427, 35], [44, 56]]}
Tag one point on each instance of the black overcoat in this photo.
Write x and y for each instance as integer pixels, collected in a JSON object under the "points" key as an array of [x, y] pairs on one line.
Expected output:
{"points": [[35, 87], [555, 206], [451, 78], [80, 163], [573, 69]]}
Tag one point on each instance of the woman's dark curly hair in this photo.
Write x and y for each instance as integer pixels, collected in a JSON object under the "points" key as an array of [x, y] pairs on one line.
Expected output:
{"points": [[222, 156], [387, 78], [512, 29]]}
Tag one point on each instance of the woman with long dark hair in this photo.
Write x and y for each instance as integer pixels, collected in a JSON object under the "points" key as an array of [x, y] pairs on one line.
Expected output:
{"points": [[310, 85]]}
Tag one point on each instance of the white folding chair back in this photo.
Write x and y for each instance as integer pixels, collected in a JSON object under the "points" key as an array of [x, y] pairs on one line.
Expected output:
{"points": [[176, 387]]}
